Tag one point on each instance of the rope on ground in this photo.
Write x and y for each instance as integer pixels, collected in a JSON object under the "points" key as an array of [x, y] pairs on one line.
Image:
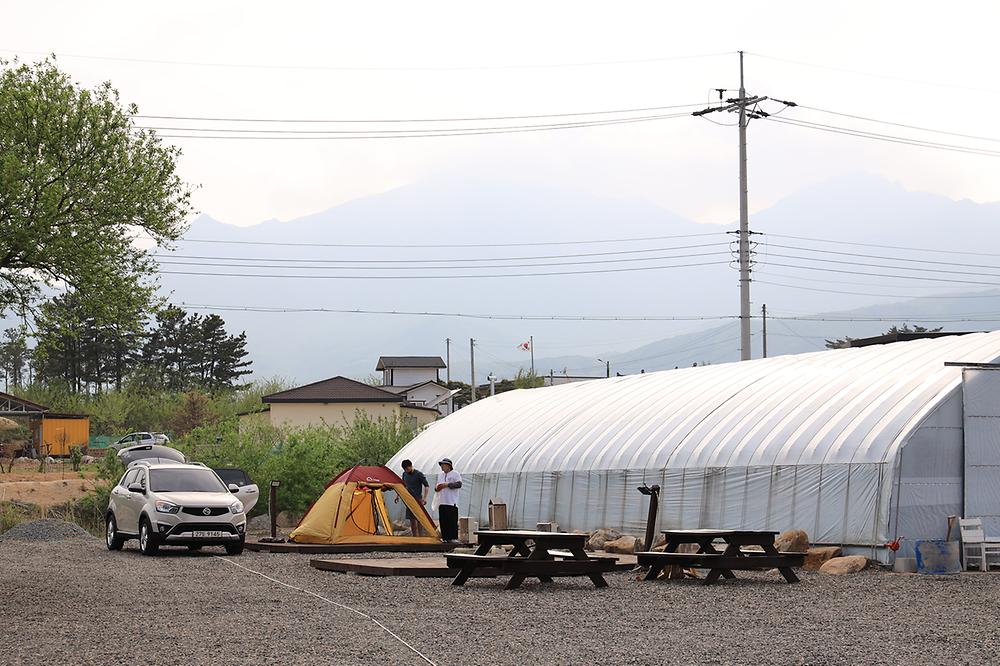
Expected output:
{"points": [[334, 603]]}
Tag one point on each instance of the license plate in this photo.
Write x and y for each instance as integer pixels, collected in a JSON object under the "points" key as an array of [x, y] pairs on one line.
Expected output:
{"points": [[208, 534]]}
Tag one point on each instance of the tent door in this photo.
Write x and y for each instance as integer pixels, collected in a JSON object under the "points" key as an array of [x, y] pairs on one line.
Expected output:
{"points": [[981, 424]]}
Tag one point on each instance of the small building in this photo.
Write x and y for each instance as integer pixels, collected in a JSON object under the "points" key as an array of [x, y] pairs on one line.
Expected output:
{"points": [[337, 401], [418, 379], [52, 434]]}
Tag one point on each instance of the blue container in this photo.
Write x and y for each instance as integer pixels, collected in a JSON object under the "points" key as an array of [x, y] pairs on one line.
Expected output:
{"points": [[938, 557]]}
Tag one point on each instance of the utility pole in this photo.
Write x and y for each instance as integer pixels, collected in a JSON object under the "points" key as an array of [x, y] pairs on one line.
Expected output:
{"points": [[472, 365], [531, 348], [607, 367], [744, 244], [447, 360], [747, 108], [763, 318]]}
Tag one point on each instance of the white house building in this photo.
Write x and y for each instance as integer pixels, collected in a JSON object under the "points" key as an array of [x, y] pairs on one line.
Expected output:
{"points": [[418, 379]]}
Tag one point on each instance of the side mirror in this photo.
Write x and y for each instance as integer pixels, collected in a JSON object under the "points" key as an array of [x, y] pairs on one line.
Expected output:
{"points": [[233, 488], [136, 488]]}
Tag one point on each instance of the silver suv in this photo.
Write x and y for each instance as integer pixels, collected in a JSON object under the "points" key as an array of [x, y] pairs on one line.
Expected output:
{"points": [[175, 504]]}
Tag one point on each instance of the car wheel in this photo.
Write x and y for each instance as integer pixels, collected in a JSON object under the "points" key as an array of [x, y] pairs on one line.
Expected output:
{"points": [[194, 547], [148, 542], [114, 540], [235, 548]]}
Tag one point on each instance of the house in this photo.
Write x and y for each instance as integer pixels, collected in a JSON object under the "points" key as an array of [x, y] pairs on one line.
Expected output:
{"points": [[418, 379], [52, 434], [336, 402]]}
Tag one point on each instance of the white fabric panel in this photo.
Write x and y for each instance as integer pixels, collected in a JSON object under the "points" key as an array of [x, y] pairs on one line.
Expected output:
{"points": [[806, 441], [981, 397]]}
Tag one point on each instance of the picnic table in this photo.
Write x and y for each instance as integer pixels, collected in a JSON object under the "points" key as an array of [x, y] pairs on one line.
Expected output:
{"points": [[541, 555], [735, 556]]}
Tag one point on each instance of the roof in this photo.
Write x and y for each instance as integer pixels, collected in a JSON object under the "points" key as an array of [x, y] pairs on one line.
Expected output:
{"points": [[388, 362], [405, 389], [335, 389], [12, 404], [855, 405], [367, 474]]}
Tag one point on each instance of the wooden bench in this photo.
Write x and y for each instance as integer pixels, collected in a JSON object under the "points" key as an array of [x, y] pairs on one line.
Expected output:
{"points": [[722, 564]]}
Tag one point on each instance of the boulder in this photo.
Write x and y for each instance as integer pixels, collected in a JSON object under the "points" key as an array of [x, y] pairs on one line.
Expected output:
{"points": [[599, 537], [88, 460], [817, 556], [625, 545], [259, 523], [288, 519], [792, 541], [838, 566]]}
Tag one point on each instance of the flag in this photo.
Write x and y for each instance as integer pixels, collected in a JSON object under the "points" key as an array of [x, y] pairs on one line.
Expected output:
{"points": [[524, 346]]}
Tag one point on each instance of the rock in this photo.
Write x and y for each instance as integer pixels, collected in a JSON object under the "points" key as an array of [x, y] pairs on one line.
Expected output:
{"points": [[817, 556], [625, 545], [401, 527], [599, 537], [838, 566], [289, 519], [87, 460], [792, 541], [259, 523]]}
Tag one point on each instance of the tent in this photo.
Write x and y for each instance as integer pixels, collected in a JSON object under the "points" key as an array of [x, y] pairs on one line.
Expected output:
{"points": [[353, 510]]}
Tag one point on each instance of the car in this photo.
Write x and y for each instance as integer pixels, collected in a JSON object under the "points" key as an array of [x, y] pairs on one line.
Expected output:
{"points": [[249, 493], [134, 438], [174, 504], [151, 453]]}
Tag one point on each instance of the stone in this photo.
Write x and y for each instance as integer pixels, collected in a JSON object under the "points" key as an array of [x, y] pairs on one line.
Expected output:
{"points": [[625, 545], [792, 541], [88, 460], [839, 566], [599, 537], [259, 523], [817, 556], [289, 519]]}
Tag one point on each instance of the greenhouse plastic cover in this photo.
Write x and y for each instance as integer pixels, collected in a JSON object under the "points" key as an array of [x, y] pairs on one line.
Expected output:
{"points": [[808, 441]]}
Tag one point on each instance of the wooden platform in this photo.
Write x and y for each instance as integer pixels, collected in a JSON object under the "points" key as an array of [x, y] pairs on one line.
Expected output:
{"points": [[346, 548], [424, 567]]}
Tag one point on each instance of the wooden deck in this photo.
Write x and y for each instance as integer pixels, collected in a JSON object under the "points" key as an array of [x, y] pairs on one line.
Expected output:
{"points": [[344, 549], [424, 567]]}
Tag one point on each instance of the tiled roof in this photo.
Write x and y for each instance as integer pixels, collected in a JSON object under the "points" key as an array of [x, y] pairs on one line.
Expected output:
{"points": [[335, 389], [387, 362]]}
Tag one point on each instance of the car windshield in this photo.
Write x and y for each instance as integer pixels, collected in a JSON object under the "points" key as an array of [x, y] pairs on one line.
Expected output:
{"points": [[192, 480]]}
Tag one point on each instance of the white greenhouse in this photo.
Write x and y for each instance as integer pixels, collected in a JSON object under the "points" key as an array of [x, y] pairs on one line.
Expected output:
{"points": [[855, 446]]}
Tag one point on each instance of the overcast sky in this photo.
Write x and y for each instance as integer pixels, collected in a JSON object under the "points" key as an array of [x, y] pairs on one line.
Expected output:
{"points": [[936, 67]]}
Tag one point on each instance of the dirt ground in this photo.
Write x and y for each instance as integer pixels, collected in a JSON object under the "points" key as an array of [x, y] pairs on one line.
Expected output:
{"points": [[55, 486]]}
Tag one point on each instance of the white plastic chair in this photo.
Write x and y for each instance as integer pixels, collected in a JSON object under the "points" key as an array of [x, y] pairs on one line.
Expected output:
{"points": [[975, 545]]}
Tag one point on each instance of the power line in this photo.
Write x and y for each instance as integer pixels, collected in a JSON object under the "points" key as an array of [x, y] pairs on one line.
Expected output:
{"points": [[907, 277], [878, 256], [171, 255], [885, 138], [446, 268], [895, 124], [339, 68], [889, 247], [862, 293], [419, 120], [442, 277], [424, 133], [446, 245], [866, 264]]}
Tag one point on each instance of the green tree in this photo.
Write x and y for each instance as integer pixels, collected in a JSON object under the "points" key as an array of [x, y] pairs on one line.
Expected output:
{"points": [[844, 342], [14, 356], [78, 182]]}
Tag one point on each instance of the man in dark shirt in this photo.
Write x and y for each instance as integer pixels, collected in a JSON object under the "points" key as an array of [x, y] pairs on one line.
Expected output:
{"points": [[416, 484]]}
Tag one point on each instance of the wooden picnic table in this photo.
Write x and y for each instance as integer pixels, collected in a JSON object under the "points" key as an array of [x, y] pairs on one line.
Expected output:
{"points": [[539, 555], [722, 564]]}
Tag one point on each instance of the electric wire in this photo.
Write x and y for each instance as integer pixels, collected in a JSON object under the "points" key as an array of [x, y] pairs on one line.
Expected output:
{"points": [[889, 258], [896, 124], [371, 619], [883, 246], [871, 265]]}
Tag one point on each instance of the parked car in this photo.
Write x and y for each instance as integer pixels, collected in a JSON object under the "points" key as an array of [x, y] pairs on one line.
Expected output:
{"points": [[249, 493], [134, 438], [151, 453], [174, 504]]}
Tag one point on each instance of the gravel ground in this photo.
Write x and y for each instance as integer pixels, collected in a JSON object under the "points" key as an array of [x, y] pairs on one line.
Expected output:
{"points": [[70, 601]]}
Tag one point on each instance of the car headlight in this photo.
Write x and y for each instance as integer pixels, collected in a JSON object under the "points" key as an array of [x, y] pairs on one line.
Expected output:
{"points": [[236, 507], [163, 506]]}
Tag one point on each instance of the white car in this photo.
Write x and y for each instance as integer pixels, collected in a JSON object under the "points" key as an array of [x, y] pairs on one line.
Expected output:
{"points": [[134, 438], [175, 504]]}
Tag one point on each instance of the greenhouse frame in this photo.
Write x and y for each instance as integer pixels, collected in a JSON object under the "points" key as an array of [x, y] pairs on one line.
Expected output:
{"points": [[855, 446]]}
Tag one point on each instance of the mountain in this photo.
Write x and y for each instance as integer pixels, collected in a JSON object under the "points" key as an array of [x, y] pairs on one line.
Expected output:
{"points": [[501, 217]]}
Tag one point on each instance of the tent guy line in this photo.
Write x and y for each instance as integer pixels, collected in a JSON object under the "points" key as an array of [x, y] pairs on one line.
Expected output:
{"points": [[333, 603]]}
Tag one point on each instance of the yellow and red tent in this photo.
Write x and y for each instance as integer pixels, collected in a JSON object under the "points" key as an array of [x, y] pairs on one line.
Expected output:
{"points": [[352, 510]]}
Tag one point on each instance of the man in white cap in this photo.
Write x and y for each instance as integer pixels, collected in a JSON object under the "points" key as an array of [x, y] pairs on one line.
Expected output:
{"points": [[447, 489]]}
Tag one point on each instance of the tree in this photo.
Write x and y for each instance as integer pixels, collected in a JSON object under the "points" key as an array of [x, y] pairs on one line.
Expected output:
{"points": [[844, 342], [14, 356], [78, 181]]}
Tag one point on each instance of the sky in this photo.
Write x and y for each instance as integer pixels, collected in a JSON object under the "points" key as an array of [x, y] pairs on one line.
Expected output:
{"points": [[910, 62]]}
